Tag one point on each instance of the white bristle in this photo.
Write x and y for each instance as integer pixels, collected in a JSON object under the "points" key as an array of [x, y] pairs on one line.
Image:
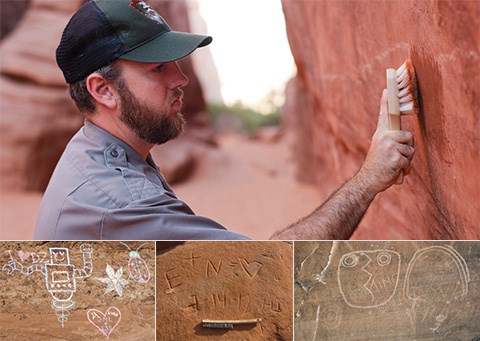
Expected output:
{"points": [[401, 69], [404, 92], [406, 89], [407, 108], [403, 82], [405, 99], [402, 75]]}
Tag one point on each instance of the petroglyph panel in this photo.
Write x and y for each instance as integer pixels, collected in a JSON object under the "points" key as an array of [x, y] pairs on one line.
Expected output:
{"points": [[347, 290], [229, 284], [77, 291], [368, 279]]}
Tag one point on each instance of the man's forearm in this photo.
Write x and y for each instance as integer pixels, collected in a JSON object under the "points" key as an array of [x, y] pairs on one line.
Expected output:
{"points": [[338, 217]]}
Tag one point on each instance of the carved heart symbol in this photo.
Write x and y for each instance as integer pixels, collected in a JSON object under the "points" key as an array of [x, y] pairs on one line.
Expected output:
{"points": [[251, 268], [23, 255], [107, 322]]}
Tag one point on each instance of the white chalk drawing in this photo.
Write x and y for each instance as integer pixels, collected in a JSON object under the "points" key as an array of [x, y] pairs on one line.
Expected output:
{"points": [[37, 260], [317, 318], [137, 267], [321, 276], [435, 301], [60, 275], [368, 279], [105, 322], [11, 267], [114, 281], [314, 259], [37, 257]]}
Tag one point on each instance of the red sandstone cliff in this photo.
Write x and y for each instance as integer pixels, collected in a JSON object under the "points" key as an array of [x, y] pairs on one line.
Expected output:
{"points": [[341, 49]]}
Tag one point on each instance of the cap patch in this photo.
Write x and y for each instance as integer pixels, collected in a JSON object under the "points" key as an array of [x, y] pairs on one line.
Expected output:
{"points": [[146, 10]]}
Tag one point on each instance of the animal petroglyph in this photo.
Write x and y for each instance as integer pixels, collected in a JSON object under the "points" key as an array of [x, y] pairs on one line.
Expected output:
{"points": [[368, 279]]}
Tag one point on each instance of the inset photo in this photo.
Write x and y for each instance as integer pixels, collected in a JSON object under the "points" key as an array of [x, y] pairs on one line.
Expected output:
{"points": [[224, 291], [77, 290], [387, 290]]}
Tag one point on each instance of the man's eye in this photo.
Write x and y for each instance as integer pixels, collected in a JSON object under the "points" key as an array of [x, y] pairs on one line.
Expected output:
{"points": [[159, 68]]}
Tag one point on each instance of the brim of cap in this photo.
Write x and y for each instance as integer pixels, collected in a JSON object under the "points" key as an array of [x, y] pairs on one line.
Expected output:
{"points": [[167, 47]]}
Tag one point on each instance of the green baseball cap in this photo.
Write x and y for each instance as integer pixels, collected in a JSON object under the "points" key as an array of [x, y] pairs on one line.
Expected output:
{"points": [[102, 31]]}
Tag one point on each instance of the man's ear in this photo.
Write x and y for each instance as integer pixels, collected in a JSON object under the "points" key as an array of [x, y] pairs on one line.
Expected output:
{"points": [[101, 90]]}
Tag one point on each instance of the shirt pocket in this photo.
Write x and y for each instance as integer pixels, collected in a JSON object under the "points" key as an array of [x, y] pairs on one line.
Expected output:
{"points": [[138, 185]]}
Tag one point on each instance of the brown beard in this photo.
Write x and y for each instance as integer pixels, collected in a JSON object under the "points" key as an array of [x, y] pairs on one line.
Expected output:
{"points": [[152, 126]]}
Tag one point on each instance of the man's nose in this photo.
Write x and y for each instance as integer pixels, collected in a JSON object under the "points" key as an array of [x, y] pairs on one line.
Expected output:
{"points": [[180, 79]]}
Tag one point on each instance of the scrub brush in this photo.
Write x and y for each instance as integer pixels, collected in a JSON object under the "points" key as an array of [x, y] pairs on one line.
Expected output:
{"points": [[402, 96]]}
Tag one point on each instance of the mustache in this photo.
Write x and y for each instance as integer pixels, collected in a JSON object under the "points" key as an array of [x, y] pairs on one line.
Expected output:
{"points": [[177, 94]]}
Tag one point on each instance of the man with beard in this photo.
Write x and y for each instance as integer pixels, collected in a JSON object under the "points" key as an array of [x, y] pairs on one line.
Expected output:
{"points": [[119, 59]]}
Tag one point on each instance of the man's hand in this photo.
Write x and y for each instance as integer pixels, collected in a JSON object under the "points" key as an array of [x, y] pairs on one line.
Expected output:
{"points": [[390, 153]]}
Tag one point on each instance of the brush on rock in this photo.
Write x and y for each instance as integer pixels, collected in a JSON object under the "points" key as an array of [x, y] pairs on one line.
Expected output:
{"points": [[402, 96]]}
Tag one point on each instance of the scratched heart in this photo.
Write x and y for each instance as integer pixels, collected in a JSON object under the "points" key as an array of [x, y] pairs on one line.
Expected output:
{"points": [[251, 268], [107, 322]]}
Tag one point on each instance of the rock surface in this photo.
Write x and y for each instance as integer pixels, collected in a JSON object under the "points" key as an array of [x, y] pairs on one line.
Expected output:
{"points": [[386, 290], [341, 50], [37, 116], [27, 300], [224, 281]]}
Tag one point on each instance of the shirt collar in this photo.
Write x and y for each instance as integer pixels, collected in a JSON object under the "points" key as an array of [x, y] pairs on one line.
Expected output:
{"points": [[95, 133]]}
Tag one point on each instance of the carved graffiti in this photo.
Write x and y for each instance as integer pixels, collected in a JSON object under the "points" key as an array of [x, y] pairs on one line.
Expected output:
{"points": [[368, 279]]}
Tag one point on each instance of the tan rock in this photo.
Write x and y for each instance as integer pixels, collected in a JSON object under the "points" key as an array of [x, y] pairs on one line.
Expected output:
{"points": [[28, 53], [36, 124], [224, 281], [386, 290]]}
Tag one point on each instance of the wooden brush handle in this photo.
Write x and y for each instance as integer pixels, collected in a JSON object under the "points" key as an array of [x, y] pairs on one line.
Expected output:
{"points": [[394, 122]]}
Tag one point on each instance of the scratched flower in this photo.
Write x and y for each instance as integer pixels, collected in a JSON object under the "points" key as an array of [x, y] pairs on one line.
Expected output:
{"points": [[114, 281]]}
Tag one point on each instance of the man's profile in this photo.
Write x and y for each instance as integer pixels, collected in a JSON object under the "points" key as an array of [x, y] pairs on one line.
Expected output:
{"points": [[120, 61]]}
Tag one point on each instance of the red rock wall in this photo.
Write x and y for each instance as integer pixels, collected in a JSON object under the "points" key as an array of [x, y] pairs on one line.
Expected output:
{"points": [[341, 49]]}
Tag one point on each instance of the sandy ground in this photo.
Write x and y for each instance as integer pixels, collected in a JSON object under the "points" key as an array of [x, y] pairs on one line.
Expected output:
{"points": [[246, 185]]}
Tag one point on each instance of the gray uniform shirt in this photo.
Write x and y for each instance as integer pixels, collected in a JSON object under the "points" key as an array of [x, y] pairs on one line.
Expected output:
{"points": [[102, 189]]}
